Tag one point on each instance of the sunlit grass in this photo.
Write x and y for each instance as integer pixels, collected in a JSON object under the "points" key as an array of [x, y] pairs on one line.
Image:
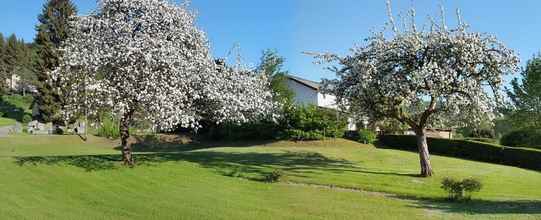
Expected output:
{"points": [[65, 178]]}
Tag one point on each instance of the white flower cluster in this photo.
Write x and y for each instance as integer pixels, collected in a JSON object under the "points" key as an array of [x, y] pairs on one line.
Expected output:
{"points": [[412, 75], [147, 56]]}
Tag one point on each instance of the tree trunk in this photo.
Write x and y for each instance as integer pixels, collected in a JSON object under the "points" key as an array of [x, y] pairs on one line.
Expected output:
{"points": [[127, 157], [424, 156]]}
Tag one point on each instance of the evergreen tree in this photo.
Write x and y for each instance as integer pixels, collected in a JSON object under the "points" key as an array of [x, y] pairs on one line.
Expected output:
{"points": [[2, 66], [11, 55], [525, 94], [52, 30], [24, 69]]}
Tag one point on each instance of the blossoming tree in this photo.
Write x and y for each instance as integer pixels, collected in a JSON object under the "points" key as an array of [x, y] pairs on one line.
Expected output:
{"points": [[420, 77], [147, 58]]}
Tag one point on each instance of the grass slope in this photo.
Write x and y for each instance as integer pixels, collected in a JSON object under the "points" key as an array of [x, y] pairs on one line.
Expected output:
{"points": [[6, 122], [64, 178]]}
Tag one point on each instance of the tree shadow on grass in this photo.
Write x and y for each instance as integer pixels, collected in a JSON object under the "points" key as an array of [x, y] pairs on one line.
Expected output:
{"points": [[149, 144], [255, 166], [478, 206], [11, 111], [249, 165]]}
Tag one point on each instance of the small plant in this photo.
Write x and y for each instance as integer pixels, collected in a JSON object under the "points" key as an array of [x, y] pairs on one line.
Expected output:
{"points": [[460, 190], [109, 126], [27, 119], [367, 136], [299, 135], [274, 176], [236, 172]]}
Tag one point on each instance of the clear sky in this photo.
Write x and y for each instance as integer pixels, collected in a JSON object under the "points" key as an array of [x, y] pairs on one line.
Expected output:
{"points": [[294, 26]]}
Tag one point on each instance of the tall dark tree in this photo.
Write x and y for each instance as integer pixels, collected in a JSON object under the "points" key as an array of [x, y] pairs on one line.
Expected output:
{"points": [[52, 31], [11, 56], [3, 73], [525, 94], [24, 69]]}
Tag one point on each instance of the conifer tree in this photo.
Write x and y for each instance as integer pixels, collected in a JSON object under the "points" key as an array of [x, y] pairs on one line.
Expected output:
{"points": [[52, 31], [2, 66], [11, 58]]}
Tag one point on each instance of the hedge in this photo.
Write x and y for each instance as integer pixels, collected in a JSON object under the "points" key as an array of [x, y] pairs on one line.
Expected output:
{"points": [[471, 150]]}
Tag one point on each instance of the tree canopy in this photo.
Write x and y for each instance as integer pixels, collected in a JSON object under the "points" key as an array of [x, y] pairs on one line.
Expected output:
{"points": [[525, 95], [417, 76], [148, 57], [52, 30]]}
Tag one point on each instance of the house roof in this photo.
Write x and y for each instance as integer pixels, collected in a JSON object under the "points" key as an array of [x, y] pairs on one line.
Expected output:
{"points": [[309, 83]]}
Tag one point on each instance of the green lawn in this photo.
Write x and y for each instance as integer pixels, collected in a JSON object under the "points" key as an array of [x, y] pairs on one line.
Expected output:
{"points": [[7, 121], [64, 178]]}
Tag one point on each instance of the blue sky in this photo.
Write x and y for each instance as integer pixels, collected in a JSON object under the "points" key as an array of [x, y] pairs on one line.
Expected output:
{"points": [[294, 26]]}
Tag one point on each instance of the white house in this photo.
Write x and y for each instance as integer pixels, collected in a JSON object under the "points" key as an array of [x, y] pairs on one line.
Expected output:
{"points": [[308, 92]]}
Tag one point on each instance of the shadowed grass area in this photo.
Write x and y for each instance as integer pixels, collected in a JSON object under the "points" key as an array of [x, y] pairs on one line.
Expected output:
{"points": [[196, 181], [15, 107]]}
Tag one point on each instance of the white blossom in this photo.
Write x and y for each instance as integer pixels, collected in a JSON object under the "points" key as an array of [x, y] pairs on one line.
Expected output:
{"points": [[422, 77], [147, 56]]}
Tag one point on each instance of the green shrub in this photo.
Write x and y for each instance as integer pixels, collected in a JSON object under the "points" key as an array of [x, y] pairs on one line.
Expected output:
{"points": [[299, 135], [109, 126], [483, 133], [461, 190], [274, 176], [313, 118], [261, 130], [523, 138], [26, 119], [298, 123], [477, 132], [367, 136], [1, 114], [485, 152], [314, 123]]}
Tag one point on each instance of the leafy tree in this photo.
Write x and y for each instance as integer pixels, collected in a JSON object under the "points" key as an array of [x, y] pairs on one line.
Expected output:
{"points": [[52, 30], [525, 95], [147, 58], [271, 64], [395, 74]]}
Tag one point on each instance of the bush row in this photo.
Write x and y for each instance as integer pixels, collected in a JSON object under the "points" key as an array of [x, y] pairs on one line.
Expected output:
{"points": [[471, 150], [299, 123]]}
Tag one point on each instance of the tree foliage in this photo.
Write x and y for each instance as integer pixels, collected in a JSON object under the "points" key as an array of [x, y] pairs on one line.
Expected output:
{"points": [[52, 30], [271, 65], [418, 76], [16, 58], [525, 95], [148, 57]]}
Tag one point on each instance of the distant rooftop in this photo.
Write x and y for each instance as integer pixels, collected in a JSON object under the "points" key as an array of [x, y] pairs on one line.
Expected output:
{"points": [[309, 83]]}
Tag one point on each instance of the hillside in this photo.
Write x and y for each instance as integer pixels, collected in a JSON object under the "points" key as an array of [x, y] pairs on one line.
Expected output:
{"points": [[62, 177]]}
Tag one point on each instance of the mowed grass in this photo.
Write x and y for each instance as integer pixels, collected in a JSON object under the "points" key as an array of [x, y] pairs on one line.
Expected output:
{"points": [[65, 178], [7, 122]]}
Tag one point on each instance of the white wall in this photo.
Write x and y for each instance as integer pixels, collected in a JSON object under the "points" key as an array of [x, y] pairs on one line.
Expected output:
{"points": [[327, 101], [303, 94]]}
